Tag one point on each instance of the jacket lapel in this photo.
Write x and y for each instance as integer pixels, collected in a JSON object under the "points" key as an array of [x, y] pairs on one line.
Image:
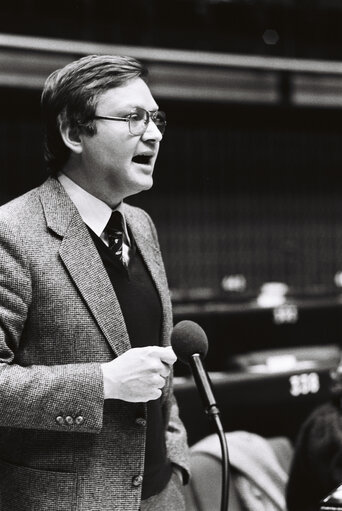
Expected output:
{"points": [[152, 258], [84, 264]]}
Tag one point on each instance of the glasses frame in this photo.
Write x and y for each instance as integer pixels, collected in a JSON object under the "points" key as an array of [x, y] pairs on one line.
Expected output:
{"points": [[150, 116]]}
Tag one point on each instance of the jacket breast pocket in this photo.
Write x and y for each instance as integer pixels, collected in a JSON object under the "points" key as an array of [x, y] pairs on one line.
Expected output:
{"points": [[27, 489]]}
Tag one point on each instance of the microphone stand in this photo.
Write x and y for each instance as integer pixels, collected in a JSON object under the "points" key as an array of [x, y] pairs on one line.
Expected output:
{"points": [[204, 387]]}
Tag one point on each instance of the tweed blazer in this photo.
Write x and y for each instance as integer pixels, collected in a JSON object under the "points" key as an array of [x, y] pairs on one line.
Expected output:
{"points": [[62, 447]]}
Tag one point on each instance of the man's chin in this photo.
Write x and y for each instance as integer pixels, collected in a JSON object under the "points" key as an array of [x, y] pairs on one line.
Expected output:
{"points": [[141, 187], [147, 183]]}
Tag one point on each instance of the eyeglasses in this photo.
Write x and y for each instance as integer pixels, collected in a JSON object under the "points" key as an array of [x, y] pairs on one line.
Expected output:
{"points": [[139, 120]]}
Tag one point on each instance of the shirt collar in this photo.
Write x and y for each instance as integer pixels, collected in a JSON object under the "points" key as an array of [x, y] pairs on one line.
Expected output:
{"points": [[94, 212]]}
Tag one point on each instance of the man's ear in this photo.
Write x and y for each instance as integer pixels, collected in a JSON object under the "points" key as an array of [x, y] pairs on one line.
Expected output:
{"points": [[71, 138]]}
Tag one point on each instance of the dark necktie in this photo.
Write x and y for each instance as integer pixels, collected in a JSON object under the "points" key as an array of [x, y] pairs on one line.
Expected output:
{"points": [[114, 230]]}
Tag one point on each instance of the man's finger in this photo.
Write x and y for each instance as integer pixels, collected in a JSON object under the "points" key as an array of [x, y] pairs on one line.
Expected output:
{"points": [[165, 354], [165, 371], [168, 355]]}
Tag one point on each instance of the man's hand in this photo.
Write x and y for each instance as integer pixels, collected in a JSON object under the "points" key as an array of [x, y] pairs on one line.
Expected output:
{"points": [[138, 375]]}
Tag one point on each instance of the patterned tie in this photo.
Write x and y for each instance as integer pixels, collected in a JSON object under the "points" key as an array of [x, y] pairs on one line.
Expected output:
{"points": [[114, 230]]}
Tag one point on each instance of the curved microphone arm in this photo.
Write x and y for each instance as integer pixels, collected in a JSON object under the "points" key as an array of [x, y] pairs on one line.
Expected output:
{"points": [[204, 387], [225, 460]]}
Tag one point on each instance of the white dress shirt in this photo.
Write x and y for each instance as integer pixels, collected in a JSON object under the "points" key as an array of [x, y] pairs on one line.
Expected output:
{"points": [[94, 212]]}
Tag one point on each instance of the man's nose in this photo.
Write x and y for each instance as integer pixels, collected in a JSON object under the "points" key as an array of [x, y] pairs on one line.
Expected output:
{"points": [[152, 132]]}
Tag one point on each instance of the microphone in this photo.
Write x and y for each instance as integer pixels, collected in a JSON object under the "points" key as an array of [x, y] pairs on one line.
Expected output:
{"points": [[190, 343]]}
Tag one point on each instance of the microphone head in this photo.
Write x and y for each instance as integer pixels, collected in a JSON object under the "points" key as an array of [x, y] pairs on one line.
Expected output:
{"points": [[188, 338]]}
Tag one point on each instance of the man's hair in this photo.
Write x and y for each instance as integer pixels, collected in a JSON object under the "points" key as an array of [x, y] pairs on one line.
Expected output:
{"points": [[70, 97]]}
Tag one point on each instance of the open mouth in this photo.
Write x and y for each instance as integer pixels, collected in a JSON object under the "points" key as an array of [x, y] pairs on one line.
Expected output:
{"points": [[142, 159]]}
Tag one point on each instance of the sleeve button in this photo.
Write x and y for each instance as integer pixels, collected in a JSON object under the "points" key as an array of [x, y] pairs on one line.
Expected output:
{"points": [[140, 421], [79, 420], [69, 420], [60, 420], [137, 480]]}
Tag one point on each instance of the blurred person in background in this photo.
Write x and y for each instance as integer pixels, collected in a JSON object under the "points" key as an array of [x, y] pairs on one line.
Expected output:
{"points": [[88, 418], [316, 469]]}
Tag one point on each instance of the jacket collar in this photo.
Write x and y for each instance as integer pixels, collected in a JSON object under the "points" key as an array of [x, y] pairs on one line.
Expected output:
{"points": [[58, 208], [84, 264]]}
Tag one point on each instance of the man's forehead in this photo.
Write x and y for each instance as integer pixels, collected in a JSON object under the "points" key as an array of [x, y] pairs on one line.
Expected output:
{"points": [[131, 95]]}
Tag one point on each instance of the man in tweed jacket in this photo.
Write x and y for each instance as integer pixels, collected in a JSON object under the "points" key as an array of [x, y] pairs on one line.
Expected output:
{"points": [[88, 419]]}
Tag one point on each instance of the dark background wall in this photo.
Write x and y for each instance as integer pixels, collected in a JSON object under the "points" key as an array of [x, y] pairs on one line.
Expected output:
{"points": [[239, 189], [304, 28]]}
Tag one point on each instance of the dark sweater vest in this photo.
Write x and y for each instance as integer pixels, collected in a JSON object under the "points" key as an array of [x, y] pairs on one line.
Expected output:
{"points": [[141, 309]]}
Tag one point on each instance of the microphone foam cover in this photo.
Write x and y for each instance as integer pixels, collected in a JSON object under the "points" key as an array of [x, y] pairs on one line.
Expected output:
{"points": [[188, 338]]}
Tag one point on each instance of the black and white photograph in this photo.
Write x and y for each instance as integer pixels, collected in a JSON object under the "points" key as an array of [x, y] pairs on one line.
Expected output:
{"points": [[171, 255]]}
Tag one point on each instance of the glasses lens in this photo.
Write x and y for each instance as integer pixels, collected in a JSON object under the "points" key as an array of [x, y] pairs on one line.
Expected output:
{"points": [[138, 120], [159, 118]]}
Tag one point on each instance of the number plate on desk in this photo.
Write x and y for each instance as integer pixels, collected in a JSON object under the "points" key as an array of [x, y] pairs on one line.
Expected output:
{"points": [[303, 384], [268, 404]]}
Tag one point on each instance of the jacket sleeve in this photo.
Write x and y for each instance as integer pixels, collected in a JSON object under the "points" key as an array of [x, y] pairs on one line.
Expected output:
{"points": [[52, 397]]}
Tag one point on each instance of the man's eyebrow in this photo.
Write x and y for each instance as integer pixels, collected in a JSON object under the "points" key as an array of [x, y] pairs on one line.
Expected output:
{"points": [[132, 106], [143, 108]]}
